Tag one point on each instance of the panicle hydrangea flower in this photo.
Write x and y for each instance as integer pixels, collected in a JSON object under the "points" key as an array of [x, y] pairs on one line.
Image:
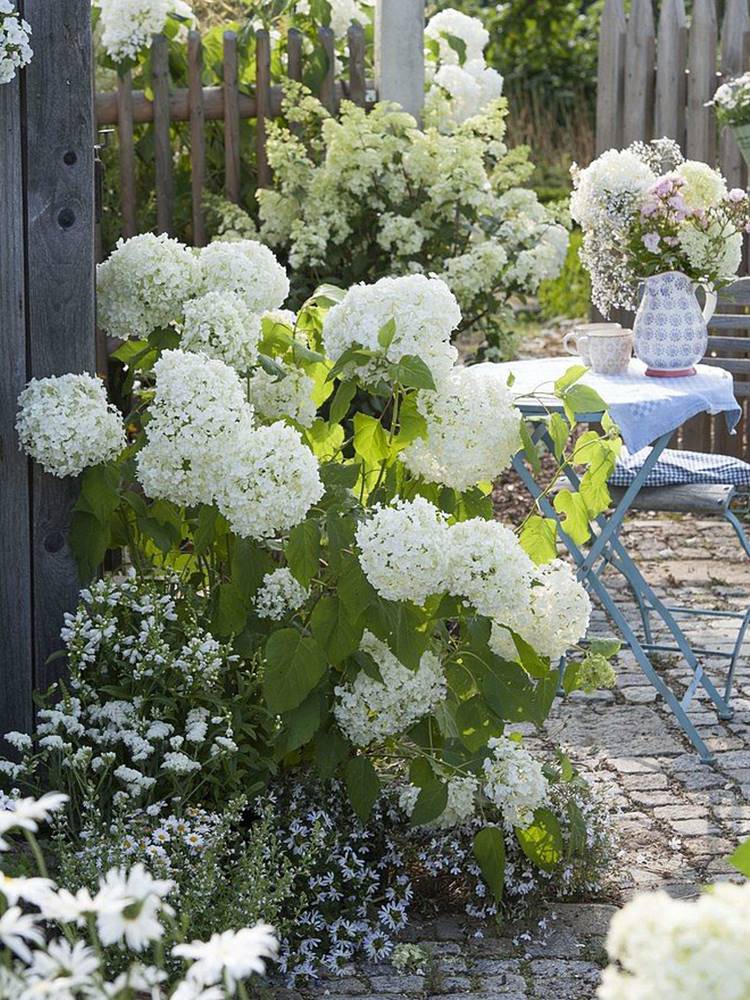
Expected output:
{"points": [[555, 618], [279, 594], [343, 13], [66, 424], [369, 711], [196, 414], [454, 24], [514, 781], [488, 567], [248, 269], [15, 51], [473, 430], [128, 25], [403, 550], [220, 325], [144, 284], [276, 398], [460, 807], [468, 90], [268, 482], [425, 313]]}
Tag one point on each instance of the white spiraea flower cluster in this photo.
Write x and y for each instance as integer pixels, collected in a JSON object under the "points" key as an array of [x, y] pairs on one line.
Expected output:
{"points": [[220, 325], [246, 268], [473, 430], [144, 284], [555, 618], [15, 50], [66, 424], [128, 25], [275, 398], [514, 782], [370, 710], [460, 807], [279, 594], [46, 954], [425, 312], [675, 949], [462, 84]]}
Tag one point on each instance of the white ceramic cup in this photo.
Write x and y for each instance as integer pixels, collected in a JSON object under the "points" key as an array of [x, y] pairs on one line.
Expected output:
{"points": [[579, 334], [610, 351]]}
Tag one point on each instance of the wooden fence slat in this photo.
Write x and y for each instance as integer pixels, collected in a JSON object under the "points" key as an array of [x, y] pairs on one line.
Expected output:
{"points": [[328, 84], [126, 154], [610, 76], [16, 650], [671, 83], [700, 140], [357, 75], [263, 102], [162, 144], [399, 53], [294, 55], [231, 119], [640, 59], [197, 136], [59, 181]]}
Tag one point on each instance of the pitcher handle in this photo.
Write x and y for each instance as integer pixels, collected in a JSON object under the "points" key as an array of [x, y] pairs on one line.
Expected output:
{"points": [[711, 301]]}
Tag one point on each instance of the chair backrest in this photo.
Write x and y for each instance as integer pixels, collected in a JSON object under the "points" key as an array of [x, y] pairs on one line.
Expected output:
{"points": [[729, 348]]}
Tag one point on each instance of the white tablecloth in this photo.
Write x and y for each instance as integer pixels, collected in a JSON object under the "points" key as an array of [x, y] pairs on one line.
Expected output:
{"points": [[643, 407]]}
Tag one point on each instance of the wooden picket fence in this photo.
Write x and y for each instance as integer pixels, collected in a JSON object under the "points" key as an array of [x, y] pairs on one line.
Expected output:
{"points": [[654, 79], [197, 104]]}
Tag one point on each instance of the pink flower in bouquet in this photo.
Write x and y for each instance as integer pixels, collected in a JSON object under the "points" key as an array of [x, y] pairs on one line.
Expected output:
{"points": [[737, 195], [663, 187], [651, 242], [677, 202], [649, 208]]}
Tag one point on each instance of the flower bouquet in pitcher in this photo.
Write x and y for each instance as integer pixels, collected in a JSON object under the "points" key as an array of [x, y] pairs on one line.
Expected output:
{"points": [[658, 224]]}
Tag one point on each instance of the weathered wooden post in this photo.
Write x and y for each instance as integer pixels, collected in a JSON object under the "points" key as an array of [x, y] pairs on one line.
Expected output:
{"points": [[47, 328], [399, 53]]}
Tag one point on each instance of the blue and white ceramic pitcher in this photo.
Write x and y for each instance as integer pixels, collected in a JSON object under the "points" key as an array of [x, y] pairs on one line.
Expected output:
{"points": [[670, 329]]}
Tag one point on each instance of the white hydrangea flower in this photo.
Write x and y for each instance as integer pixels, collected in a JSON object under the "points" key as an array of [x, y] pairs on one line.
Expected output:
{"points": [[268, 483], [514, 782], [452, 23], [541, 262], [247, 268], [220, 325], [675, 949], [275, 398], [608, 188], [460, 807], [473, 430], [369, 710], [471, 273], [556, 617], [425, 312], [404, 550], [710, 251], [144, 284], [279, 594], [196, 414], [128, 25], [469, 88], [703, 186], [66, 424], [488, 567], [15, 51]]}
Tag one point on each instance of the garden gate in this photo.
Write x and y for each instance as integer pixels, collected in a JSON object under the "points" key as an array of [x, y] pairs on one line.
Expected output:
{"points": [[47, 300]]}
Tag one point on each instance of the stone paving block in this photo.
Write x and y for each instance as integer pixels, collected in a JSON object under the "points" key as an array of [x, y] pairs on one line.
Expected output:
{"points": [[643, 781], [507, 983], [399, 983], [692, 827], [681, 810]]}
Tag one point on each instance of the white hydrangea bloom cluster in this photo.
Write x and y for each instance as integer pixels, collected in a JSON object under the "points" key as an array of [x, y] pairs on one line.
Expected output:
{"points": [[220, 325], [462, 84], [675, 949], [279, 594], [15, 51], [128, 25], [555, 618], [541, 262], [246, 268], [275, 398], [473, 430], [370, 711], [269, 481], [608, 188], [712, 251], [66, 424], [461, 805], [404, 550], [454, 24], [195, 416], [703, 187], [425, 312], [343, 13], [514, 782], [144, 284]]}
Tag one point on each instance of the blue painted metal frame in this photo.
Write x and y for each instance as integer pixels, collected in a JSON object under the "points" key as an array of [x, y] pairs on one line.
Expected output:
{"points": [[607, 549]]}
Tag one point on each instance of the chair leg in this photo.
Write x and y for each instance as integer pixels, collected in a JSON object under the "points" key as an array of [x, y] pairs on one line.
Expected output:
{"points": [[739, 530]]}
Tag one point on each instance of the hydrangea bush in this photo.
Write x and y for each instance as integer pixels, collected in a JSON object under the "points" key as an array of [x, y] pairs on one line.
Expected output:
{"points": [[307, 593], [15, 50]]}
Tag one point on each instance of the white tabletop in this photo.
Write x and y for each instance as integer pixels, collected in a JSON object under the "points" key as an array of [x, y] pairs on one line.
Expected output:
{"points": [[643, 407]]}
